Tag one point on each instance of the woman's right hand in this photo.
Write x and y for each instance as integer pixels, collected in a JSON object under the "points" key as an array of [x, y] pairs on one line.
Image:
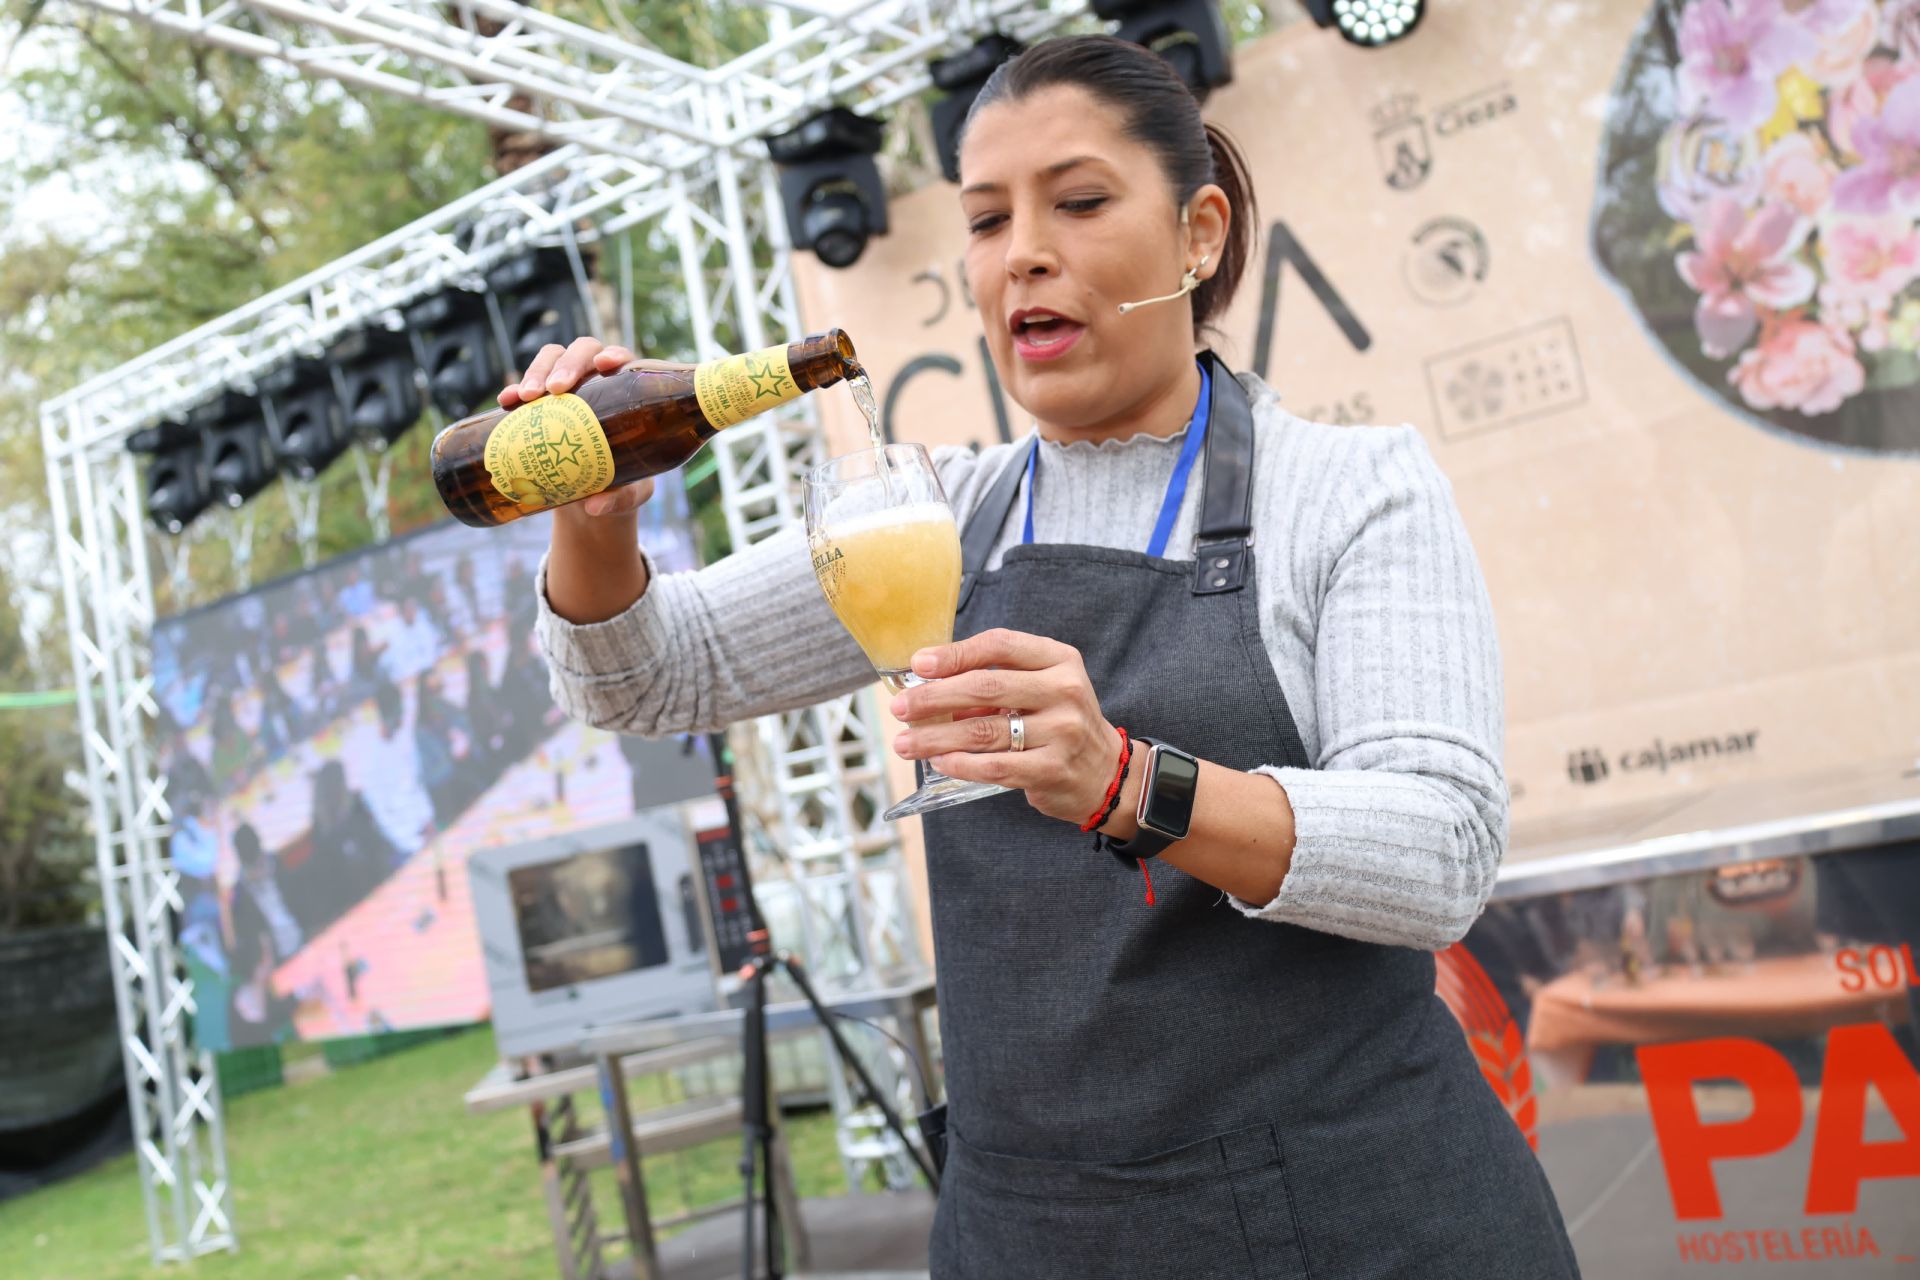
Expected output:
{"points": [[557, 370]]}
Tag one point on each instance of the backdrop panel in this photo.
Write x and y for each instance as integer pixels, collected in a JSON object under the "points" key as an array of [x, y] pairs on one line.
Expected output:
{"points": [[1702, 563]]}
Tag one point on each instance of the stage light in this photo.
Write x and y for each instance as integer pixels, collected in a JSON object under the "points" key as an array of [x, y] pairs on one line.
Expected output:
{"points": [[236, 446], [961, 78], [374, 374], [830, 185], [176, 482], [539, 302], [1190, 34], [1369, 23], [456, 350], [309, 426], [177, 487]]}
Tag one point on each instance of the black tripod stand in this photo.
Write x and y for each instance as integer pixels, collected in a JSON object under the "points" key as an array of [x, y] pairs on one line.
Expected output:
{"points": [[756, 1103]]}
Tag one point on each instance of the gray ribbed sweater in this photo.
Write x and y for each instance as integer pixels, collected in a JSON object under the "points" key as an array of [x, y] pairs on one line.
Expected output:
{"points": [[1372, 608]]}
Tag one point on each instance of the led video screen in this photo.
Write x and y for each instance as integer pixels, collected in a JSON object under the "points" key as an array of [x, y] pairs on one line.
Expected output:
{"points": [[337, 744]]}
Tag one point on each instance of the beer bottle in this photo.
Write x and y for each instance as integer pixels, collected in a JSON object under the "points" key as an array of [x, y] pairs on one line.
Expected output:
{"points": [[620, 427]]}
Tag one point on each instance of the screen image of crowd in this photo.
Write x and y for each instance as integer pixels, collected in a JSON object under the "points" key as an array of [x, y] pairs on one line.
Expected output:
{"points": [[336, 744]]}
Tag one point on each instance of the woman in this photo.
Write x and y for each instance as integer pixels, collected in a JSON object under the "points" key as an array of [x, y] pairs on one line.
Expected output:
{"points": [[1251, 1076]]}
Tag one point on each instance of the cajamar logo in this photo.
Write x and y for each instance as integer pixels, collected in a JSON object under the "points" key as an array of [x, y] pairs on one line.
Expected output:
{"points": [[1596, 764]]}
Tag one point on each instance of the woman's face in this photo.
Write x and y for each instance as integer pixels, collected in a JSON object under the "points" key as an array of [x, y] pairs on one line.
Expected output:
{"points": [[1067, 218]]}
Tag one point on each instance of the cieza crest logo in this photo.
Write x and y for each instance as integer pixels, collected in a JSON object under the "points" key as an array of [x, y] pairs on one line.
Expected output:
{"points": [[1463, 985], [1400, 140]]}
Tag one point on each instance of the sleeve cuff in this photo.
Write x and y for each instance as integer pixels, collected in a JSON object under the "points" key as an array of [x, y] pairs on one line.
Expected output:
{"points": [[1361, 841]]}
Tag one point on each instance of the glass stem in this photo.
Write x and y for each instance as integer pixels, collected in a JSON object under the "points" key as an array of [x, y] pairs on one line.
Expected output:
{"points": [[899, 682]]}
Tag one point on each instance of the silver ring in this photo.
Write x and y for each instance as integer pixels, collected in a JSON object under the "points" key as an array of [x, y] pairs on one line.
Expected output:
{"points": [[1017, 730]]}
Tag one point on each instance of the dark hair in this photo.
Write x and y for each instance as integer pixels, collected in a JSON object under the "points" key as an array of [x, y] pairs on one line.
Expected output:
{"points": [[246, 846], [391, 706], [1161, 113], [330, 792]]}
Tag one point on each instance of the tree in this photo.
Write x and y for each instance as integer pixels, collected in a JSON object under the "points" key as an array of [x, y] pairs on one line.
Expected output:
{"points": [[193, 181], [44, 856]]}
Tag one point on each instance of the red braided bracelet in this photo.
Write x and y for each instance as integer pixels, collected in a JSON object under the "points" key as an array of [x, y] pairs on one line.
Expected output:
{"points": [[1112, 799]]}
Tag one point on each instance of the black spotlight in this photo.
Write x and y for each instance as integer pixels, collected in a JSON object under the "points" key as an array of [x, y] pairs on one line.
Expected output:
{"points": [[177, 488], [539, 302], [961, 78], [1369, 23], [310, 429], [236, 445], [176, 473], [1190, 34], [456, 350], [830, 184], [375, 377]]}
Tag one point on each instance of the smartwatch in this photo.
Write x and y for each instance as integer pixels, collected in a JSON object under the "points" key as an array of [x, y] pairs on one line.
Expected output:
{"points": [[1166, 801]]}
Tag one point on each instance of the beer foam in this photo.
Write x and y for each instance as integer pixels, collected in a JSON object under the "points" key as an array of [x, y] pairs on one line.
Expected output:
{"points": [[916, 513]]}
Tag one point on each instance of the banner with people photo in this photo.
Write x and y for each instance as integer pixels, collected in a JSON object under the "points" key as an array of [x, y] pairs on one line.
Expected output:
{"points": [[1716, 1067], [336, 745]]}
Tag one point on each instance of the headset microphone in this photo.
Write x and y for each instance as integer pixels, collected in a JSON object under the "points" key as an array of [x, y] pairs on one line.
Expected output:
{"points": [[1188, 283]]}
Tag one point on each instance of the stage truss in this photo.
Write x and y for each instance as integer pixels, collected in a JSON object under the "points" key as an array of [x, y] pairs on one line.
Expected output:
{"points": [[644, 139]]}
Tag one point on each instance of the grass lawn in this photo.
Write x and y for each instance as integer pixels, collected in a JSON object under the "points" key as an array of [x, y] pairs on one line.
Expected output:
{"points": [[374, 1172]]}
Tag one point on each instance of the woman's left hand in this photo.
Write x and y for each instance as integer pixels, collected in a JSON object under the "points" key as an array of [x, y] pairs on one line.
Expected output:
{"points": [[1071, 751]]}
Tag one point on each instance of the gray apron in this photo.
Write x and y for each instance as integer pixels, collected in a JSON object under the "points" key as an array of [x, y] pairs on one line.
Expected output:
{"points": [[1174, 1090]]}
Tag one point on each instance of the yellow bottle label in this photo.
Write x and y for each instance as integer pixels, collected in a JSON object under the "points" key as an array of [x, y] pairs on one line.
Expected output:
{"points": [[734, 389], [549, 453]]}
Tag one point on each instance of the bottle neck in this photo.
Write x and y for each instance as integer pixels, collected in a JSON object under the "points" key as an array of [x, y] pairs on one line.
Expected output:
{"points": [[822, 360]]}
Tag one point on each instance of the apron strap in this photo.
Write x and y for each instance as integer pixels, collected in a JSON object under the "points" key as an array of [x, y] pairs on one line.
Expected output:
{"points": [[1226, 504], [983, 528]]}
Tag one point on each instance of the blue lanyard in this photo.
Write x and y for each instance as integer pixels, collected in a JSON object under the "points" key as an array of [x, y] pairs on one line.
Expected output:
{"points": [[1176, 484]]}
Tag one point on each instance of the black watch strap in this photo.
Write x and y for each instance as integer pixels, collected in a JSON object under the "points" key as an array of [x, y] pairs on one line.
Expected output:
{"points": [[1146, 842]]}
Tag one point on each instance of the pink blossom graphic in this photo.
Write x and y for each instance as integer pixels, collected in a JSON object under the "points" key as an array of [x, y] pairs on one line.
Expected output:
{"points": [[1731, 55], [1797, 174], [1825, 17], [1701, 159], [1801, 366], [1863, 98], [1867, 262], [1741, 262], [1888, 175], [1900, 28], [1837, 61]]}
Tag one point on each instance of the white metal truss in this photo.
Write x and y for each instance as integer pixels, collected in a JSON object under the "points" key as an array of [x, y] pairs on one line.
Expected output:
{"points": [[645, 138], [487, 59], [99, 525]]}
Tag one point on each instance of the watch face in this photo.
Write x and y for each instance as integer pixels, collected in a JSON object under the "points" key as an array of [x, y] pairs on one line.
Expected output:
{"points": [[1169, 807]]}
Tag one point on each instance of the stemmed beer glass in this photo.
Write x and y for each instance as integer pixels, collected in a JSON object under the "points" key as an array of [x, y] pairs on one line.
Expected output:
{"points": [[886, 552]]}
